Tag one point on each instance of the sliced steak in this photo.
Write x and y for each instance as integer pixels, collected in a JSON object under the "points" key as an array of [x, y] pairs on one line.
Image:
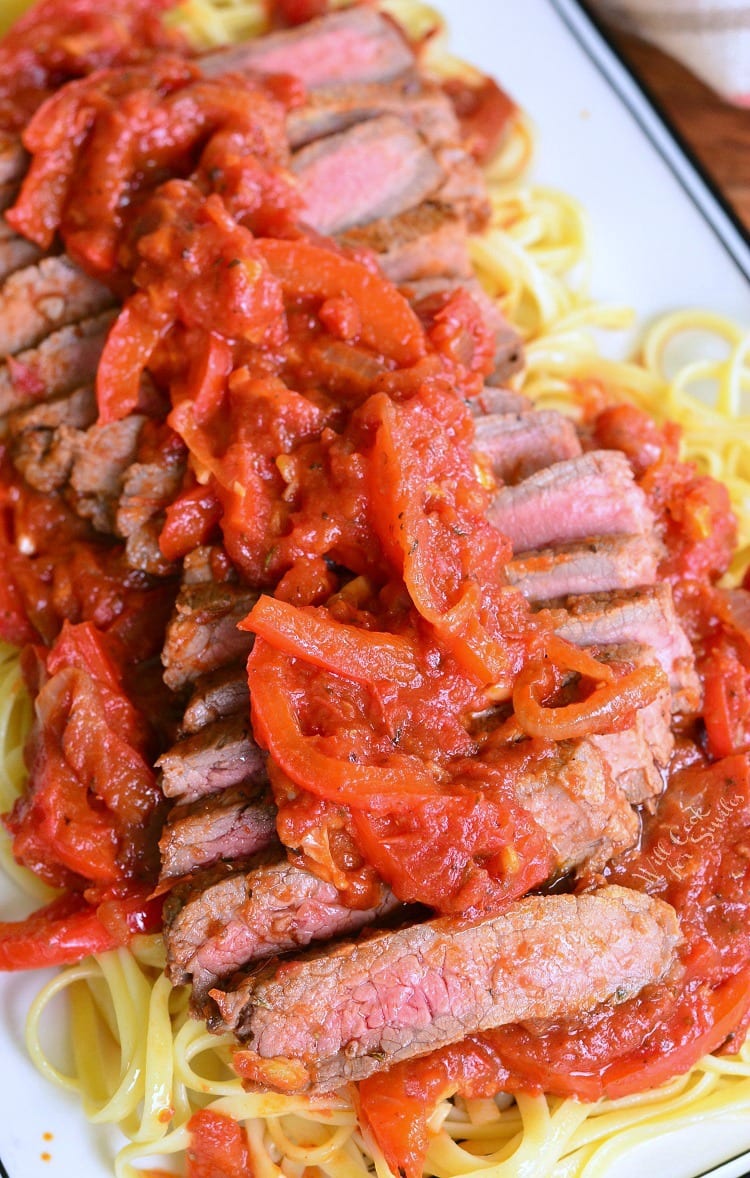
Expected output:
{"points": [[226, 918], [636, 756], [421, 243], [231, 825], [220, 755], [15, 253], [357, 45], [42, 298], [202, 634], [519, 444], [645, 616], [149, 485], [598, 565], [509, 353], [464, 188], [65, 360], [344, 1013], [421, 104], [215, 696], [45, 438], [376, 169], [102, 455], [494, 399], [572, 794], [593, 494]]}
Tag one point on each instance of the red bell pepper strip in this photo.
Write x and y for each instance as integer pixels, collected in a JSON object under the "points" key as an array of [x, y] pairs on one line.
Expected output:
{"points": [[346, 650]]}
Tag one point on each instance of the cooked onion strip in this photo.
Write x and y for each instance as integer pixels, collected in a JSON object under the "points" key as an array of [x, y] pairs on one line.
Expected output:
{"points": [[609, 708]]}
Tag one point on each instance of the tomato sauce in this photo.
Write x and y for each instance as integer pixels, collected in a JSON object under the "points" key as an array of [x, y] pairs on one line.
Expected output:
{"points": [[59, 40]]}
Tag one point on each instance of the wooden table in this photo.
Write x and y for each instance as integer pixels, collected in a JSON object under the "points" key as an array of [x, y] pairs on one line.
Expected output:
{"points": [[718, 133]]}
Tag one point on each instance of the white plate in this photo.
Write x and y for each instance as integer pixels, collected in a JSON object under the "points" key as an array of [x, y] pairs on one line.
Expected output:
{"points": [[660, 241]]}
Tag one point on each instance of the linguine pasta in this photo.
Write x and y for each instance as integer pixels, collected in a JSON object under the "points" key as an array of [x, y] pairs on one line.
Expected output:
{"points": [[139, 1061]]}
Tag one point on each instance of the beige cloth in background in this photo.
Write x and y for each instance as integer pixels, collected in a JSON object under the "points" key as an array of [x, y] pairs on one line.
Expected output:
{"points": [[712, 37]]}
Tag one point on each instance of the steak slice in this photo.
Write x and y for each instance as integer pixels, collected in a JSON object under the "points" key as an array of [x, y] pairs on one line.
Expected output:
{"points": [[646, 616], [519, 444], [421, 243], [215, 696], [16, 252], [494, 399], [149, 485], [596, 565], [593, 494], [232, 825], [636, 756], [573, 795], [464, 188], [227, 917], [343, 1013], [332, 109], [375, 169], [356, 45], [38, 299], [44, 438], [102, 455], [220, 755], [202, 634], [63, 361]]}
